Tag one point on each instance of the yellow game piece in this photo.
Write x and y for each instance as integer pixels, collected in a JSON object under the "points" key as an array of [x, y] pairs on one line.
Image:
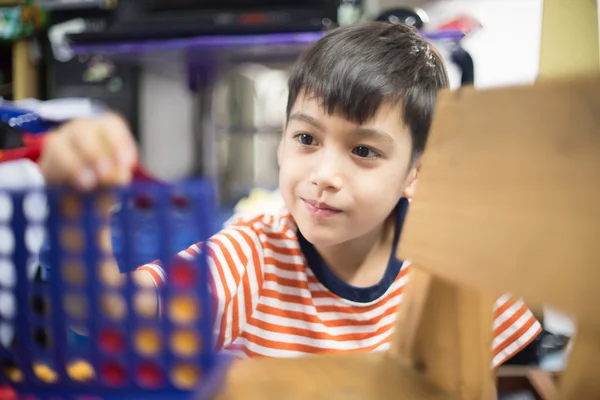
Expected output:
{"points": [[183, 310], [109, 273], [45, 373], [147, 342], [104, 203], [145, 304], [104, 240], [13, 373], [113, 306], [75, 306], [70, 206], [185, 343], [185, 376], [71, 239], [81, 371], [73, 273]]}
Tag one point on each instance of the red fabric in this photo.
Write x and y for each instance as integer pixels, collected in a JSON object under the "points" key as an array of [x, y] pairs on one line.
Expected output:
{"points": [[32, 149], [34, 145], [463, 23]]}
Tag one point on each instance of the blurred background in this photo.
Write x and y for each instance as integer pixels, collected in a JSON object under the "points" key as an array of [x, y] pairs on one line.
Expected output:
{"points": [[203, 82]]}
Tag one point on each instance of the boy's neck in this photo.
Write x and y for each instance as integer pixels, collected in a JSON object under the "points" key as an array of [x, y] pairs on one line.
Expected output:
{"points": [[362, 262]]}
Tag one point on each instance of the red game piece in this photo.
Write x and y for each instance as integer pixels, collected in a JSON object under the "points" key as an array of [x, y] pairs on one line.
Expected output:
{"points": [[149, 375], [7, 393], [113, 373], [111, 341]]}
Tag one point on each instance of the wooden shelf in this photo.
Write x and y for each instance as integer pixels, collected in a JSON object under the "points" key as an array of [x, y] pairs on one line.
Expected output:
{"points": [[25, 71]]}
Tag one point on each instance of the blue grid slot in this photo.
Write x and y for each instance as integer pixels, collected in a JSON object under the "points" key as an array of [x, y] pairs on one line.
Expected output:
{"points": [[88, 329]]}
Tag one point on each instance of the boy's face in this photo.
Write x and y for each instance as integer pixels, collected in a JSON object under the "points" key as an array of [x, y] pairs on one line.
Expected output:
{"points": [[340, 180]]}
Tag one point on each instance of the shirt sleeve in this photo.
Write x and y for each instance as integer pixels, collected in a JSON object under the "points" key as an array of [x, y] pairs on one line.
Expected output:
{"points": [[515, 327], [235, 260]]}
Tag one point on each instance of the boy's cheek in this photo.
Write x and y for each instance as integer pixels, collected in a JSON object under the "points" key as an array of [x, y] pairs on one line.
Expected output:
{"points": [[288, 184], [290, 168]]}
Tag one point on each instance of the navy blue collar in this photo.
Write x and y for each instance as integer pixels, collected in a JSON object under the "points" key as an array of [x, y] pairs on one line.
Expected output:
{"points": [[341, 288]]}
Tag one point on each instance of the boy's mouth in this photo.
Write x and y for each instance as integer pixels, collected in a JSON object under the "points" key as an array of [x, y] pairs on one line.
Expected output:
{"points": [[318, 209]]}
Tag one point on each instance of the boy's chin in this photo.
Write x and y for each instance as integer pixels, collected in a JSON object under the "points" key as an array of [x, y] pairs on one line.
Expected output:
{"points": [[321, 236]]}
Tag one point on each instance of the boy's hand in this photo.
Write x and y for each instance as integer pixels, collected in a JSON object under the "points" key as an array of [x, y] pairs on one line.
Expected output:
{"points": [[88, 153]]}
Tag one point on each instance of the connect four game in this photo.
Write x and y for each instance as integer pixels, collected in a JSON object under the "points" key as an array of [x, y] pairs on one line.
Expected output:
{"points": [[85, 329]]}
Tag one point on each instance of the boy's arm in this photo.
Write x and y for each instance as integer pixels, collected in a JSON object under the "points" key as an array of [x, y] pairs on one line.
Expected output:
{"points": [[235, 261], [515, 327]]}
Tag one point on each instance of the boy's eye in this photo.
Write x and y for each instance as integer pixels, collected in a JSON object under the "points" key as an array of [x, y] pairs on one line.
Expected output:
{"points": [[306, 139], [365, 152]]}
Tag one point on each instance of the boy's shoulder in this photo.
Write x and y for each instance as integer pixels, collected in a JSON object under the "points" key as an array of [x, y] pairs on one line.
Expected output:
{"points": [[260, 221], [277, 222], [253, 235], [263, 212]]}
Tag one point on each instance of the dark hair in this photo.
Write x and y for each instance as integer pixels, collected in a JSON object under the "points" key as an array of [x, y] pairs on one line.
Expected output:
{"points": [[354, 69]]}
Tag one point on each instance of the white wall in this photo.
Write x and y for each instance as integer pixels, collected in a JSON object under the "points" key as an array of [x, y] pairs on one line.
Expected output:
{"points": [[167, 115], [506, 50]]}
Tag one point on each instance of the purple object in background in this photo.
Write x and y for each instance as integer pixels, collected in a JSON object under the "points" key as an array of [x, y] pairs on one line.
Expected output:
{"points": [[200, 42], [454, 35], [225, 43]]}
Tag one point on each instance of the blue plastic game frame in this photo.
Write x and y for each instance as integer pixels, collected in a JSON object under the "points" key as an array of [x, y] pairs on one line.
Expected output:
{"points": [[175, 216]]}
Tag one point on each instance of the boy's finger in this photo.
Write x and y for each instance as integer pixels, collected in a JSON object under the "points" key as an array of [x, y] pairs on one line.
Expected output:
{"points": [[119, 140], [62, 164], [85, 137]]}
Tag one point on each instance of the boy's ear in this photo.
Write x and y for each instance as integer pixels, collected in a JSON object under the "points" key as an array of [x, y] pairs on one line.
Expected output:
{"points": [[410, 185]]}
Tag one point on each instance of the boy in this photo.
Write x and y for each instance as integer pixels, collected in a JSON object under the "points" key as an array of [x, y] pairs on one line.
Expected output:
{"points": [[319, 275]]}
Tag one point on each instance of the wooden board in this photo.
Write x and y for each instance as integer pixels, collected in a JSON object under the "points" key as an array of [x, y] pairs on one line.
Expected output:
{"points": [[509, 194], [364, 376], [444, 331]]}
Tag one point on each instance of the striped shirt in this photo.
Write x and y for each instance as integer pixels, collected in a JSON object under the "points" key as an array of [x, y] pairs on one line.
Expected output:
{"points": [[276, 298]]}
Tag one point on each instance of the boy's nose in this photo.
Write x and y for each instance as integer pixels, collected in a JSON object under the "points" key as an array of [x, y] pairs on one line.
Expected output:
{"points": [[327, 173]]}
